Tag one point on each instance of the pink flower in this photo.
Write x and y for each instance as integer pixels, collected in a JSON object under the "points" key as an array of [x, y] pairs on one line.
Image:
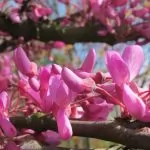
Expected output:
{"points": [[50, 137], [134, 57], [23, 63], [135, 105], [89, 61], [27, 91], [63, 124], [44, 76], [8, 129], [63, 95], [34, 83], [11, 145], [124, 69], [144, 29], [59, 44], [119, 2], [97, 109], [104, 11], [117, 68], [14, 15], [77, 112], [76, 83], [4, 82], [41, 11], [140, 12], [56, 69], [87, 66]]}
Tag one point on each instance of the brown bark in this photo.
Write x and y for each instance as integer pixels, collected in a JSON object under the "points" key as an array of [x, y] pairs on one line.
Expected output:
{"points": [[54, 32], [132, 134]]}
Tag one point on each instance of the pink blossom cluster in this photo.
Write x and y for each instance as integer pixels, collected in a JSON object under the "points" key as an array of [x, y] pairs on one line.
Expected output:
{"points": [[68, 93], [55, 90], [116, 13], [76, 93], [7, 128], [35, 10]]}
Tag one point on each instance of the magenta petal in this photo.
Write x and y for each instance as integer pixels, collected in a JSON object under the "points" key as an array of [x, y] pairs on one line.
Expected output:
{"points": [[34, 83], [77, 112], [51, 137], [146, 117], [58, 44], [119, 2], [63, 95], [72, 80], [76, 83], [134, 57], [22, 62], [89, 61], [30, 93], [4, 82], [117, 68], [11, 145], [7, 127], [44, 77], [99, 111], [14, 16], [47, 104], [54, 83], [4, 100], [83, 74], [63, 124], [134, 104], [56, 69]]}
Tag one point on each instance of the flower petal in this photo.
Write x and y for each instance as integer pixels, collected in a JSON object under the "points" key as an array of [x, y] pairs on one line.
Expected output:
{"points": [[4, 82], [56, 69], [117, 68], [47, 103], [22, 62], [51, 137], [44, 77], [11, 145], [34, 83], [7, 127], [72, 80], [89, 61], [76, 83], [63, 95], [4, 101], [63, 124], [134, 57], [134, 104]]}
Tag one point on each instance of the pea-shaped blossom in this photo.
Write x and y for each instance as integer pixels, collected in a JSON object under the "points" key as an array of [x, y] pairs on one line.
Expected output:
{"points": [[7, 127], [123, 69], [23, 63], [47, 89], [76, 83]]}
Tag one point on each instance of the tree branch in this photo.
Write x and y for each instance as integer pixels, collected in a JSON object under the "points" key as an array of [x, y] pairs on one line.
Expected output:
{"points": [[52, 32], [131, 134]]}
